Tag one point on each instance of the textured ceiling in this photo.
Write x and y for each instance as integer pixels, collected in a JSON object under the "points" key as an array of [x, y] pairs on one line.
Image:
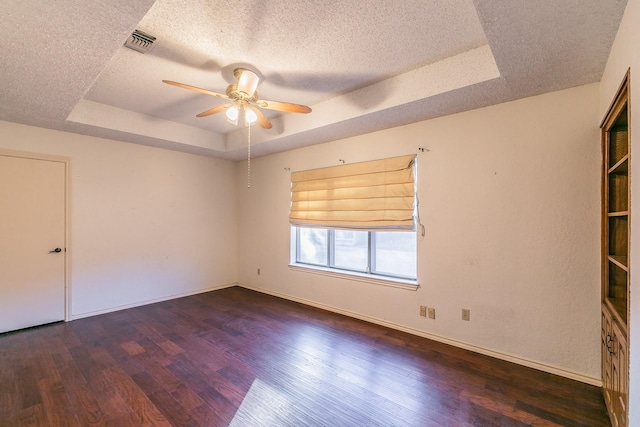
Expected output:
{"points": [[361, 65]]}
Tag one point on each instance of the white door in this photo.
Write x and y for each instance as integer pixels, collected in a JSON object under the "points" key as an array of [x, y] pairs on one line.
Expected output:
{"points": [[32, 242]]}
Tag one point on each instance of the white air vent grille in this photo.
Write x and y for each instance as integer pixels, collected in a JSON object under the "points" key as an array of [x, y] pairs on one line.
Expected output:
{"points": [[140, 41]]}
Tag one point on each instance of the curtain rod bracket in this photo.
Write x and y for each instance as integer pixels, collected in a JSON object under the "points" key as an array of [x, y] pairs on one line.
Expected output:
{"points": [[422, 149]]}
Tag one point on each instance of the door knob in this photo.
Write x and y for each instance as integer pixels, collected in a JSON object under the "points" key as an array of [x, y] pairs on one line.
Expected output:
{"points": [[56, 250]]}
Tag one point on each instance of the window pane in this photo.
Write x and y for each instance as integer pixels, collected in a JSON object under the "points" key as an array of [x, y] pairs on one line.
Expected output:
{"points": [[351, 249], [313, 246], [395, 253]]}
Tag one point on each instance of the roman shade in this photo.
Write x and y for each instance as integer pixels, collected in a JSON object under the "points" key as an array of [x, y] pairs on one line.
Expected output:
{"points": [[379, 194]]}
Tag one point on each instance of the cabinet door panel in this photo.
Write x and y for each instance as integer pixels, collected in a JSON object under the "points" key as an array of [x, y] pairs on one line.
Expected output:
{"points": [[607, 386], [622, 363]]}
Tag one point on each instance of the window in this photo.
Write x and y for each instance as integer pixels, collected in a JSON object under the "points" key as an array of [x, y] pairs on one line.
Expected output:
{"points": [[383, 254], [357, 219]]}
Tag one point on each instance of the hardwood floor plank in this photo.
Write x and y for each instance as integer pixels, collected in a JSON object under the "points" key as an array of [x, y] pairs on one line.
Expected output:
{"points": [[559, 418], [56, 404], [28, 387], [136, 399], [223, 408], [110, 401], [187, 398], [9, 396], [239, 375], [132, 348], [170, 348], [175, 413], [267, 406], [30, 417], [188, 375], [206, 416], [241, 358], [508, 410], [202, 353], [146, 383], [163, 376], [81, 399]]}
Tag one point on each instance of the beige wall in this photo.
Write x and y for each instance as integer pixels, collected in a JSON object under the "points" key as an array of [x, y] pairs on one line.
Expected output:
{"points": [[510, 199], [509, 196], [146, 224], [624, 55]]}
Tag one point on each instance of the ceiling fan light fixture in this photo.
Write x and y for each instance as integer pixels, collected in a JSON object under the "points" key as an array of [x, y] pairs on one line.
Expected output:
{"points": [[250, 116], [232, 114]]}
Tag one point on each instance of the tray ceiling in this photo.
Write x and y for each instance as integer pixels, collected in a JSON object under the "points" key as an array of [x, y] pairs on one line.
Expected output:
{"points": [[362, 66]]}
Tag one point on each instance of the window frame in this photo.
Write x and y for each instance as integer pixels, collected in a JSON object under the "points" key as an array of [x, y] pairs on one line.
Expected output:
{"points": [[329, 268]]}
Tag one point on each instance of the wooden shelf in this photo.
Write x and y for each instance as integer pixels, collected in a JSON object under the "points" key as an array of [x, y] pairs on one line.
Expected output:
{"points": [[620, 213], [622, 167], [620, 261]]}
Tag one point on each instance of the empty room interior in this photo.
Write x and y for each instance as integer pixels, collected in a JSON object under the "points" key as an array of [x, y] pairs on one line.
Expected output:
{"points": [[323, 213]]}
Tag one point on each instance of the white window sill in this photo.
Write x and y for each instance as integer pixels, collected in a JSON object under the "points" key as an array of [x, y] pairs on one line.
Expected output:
{"points": [[410, 285]]}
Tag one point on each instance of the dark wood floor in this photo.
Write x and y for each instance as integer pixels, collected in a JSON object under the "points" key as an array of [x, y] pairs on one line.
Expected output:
{"points": [[237, 357]]}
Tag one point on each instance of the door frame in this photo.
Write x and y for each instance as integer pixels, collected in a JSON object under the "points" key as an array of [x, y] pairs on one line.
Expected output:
{"points": [[67, 215]]}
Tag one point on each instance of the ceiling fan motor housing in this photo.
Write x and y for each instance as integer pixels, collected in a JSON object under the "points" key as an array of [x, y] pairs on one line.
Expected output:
{"points": [[237, 95]]}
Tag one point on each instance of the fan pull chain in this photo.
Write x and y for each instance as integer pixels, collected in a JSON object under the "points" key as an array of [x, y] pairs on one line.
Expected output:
{"points": [[249, 156]]}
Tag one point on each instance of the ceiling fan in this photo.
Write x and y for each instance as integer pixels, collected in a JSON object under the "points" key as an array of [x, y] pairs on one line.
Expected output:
{"points": [[244, 98]]}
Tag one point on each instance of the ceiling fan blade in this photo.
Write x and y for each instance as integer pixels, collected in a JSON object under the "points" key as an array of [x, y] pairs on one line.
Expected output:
{"points": [[214, 110], [195, 89], [282, 106], [262, 119]]}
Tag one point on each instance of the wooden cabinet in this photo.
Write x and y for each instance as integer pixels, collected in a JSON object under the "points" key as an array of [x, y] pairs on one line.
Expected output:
{"points": [[615, 256], [615, 383]]}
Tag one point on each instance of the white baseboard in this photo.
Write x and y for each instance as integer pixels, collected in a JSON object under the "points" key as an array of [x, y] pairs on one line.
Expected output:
{"points": [[498, 355], [151, 301]]}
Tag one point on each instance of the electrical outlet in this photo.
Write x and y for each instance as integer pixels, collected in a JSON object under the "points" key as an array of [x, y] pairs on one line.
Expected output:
{"points": [[466, 314], [432, 313], [423, 310], [258, 272]]}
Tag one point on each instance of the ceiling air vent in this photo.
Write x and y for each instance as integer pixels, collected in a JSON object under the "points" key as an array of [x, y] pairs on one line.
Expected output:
{"points": [[140, 41]]}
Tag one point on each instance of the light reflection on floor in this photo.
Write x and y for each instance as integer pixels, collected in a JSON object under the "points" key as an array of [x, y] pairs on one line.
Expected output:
{"points": [[263, 405], [312, 356]]}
